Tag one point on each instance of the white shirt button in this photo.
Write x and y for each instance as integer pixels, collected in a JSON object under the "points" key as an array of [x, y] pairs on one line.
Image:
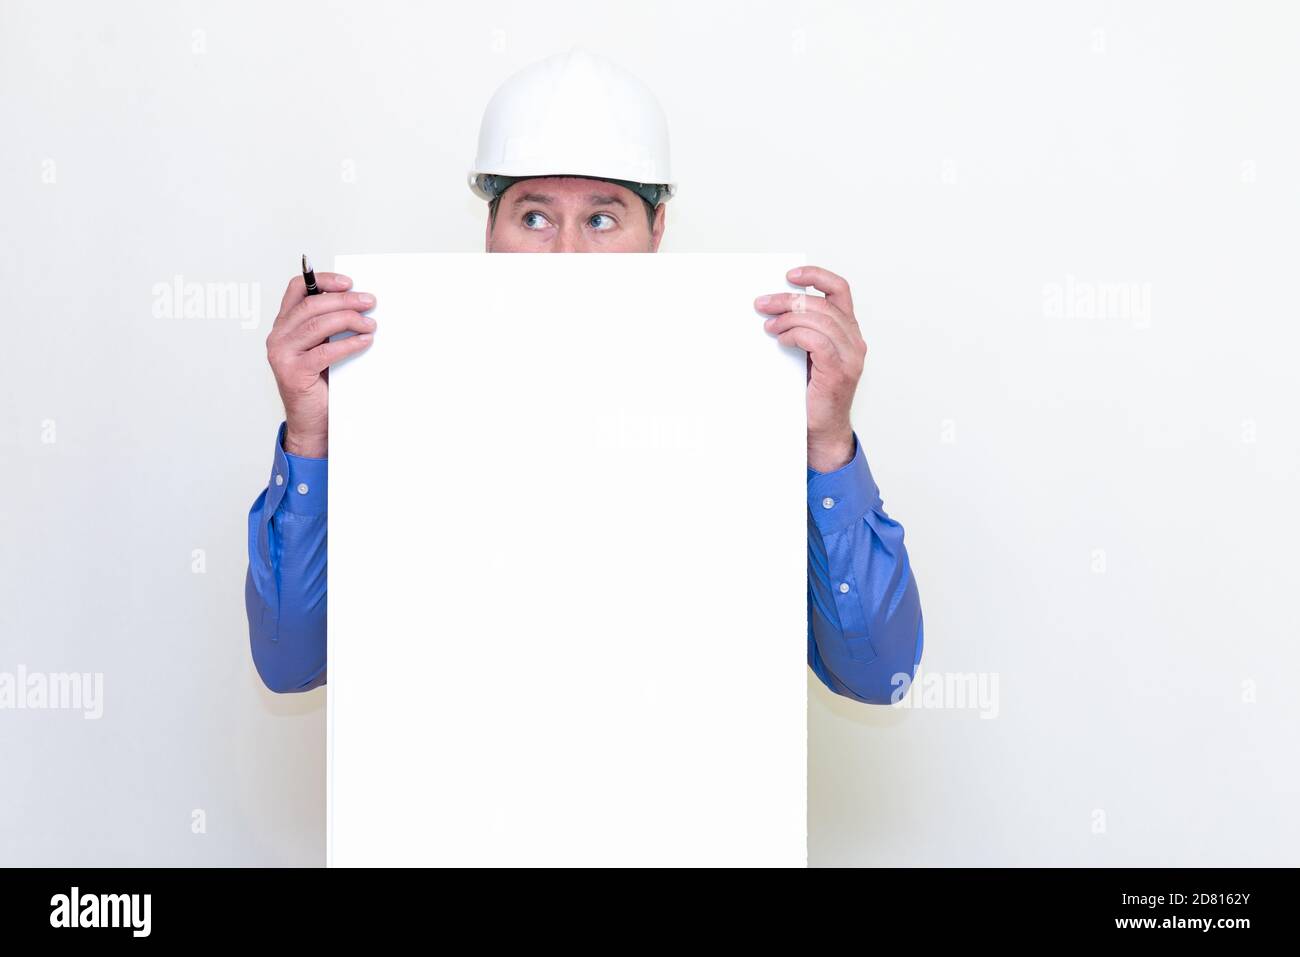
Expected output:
{"points": [[844, 586], [828, 502], [302, 488], [279, 479]]}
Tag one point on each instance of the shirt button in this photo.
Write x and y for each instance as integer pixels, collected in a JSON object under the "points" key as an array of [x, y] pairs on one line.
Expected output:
{"points": [[302, 488], [844, 586], [279, 479], [828, 502]]}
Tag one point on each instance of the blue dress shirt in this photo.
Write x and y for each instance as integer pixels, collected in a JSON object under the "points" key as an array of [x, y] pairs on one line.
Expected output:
{"points": [[865, 633]]}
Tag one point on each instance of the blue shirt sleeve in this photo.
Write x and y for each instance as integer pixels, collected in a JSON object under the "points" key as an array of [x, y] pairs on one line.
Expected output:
{"points": [[284, 590], [865, 633]]}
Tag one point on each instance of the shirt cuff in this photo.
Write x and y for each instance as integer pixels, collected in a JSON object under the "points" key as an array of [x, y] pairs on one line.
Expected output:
{"points": [[838, 499], [298, 483]]}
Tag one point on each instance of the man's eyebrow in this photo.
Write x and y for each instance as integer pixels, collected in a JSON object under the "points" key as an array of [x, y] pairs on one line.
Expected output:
{"points": [[595, 199], [533, 198]]}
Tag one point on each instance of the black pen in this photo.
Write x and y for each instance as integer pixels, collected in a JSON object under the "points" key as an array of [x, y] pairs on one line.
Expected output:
{"points": [[309, 277]]}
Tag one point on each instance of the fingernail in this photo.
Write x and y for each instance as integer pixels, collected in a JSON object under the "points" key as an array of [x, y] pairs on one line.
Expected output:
{"points": [[796, 273], [365, 299], [762, 300], [368, 321], [346, 280]]}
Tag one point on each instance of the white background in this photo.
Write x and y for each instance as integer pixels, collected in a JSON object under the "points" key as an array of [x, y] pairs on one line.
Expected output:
{"points": [[951, 160]]}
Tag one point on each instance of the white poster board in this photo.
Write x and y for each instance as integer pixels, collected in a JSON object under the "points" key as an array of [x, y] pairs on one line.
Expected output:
{"points": [[567, 565]]}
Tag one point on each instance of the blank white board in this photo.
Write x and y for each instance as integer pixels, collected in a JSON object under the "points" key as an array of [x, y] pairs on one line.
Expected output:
{"points": [[567, 565]]}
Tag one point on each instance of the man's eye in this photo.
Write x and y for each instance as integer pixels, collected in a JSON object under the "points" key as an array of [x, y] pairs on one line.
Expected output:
{"points": [[597, 216], [529, 216]]}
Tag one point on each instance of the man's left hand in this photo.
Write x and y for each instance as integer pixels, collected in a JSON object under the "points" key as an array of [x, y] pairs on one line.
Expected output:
{"points": [[827, 330]]}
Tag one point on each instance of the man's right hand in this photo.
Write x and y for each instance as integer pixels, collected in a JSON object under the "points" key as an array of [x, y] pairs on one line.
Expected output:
{"points": [[300, 354]]}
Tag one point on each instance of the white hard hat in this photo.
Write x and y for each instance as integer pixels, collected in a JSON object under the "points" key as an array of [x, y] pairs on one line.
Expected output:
{"points": [[574, 114]]}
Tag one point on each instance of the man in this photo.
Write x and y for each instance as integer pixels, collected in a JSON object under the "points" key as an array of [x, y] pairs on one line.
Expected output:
{"points": [[573, 157]]}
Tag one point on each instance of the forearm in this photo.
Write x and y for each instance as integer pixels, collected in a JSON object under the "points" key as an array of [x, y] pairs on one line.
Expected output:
{"points": [[285, 589], [865, 630]]}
